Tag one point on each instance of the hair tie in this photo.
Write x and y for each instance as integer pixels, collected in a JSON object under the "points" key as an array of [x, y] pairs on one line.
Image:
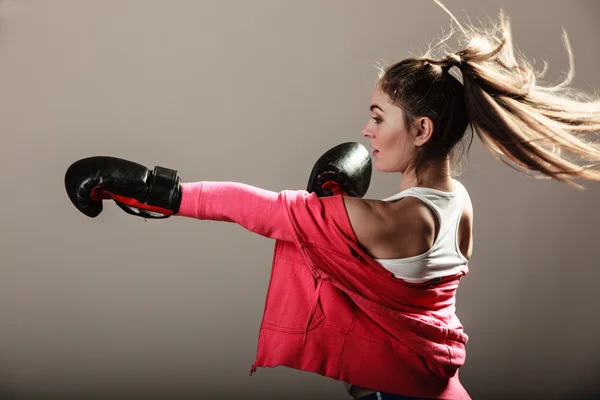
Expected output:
{"points": [[454, 60]]}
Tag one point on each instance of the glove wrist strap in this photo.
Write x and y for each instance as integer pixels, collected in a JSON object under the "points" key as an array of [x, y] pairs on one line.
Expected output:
{"points": [[164, 190]]}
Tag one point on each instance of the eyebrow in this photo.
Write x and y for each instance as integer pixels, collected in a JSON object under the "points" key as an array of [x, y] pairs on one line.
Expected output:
{"points": [[374, 106]]}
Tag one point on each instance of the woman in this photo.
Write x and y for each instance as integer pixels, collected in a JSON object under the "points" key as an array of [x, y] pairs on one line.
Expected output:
{"points": [[363, 291]]}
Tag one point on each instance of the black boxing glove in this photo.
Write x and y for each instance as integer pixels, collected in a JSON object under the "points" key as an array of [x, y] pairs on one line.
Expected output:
{"points": [[342, 170], [134, 188]]}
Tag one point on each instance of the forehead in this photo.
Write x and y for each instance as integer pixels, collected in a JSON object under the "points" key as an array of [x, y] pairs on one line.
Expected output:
{"points": [[381, 99]]}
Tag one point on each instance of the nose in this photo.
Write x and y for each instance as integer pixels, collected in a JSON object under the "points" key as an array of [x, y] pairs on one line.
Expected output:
{"points": [[366, 132]]}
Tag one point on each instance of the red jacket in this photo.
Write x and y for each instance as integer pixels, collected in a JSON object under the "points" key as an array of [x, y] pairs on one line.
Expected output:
{"points": [[330, 308]]}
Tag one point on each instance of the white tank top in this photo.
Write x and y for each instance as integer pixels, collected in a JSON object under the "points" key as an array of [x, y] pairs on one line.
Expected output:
{"points": [[444, 258]]}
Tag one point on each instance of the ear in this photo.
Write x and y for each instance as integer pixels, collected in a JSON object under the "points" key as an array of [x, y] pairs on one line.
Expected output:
{"points": [[424, 130]]}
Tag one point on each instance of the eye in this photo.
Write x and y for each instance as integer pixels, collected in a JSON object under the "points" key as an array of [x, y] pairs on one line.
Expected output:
{"points": [[376, 119]]}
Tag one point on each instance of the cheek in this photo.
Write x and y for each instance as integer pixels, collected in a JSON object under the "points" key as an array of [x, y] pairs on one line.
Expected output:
{"points": [[394, 152], [393, 141]]}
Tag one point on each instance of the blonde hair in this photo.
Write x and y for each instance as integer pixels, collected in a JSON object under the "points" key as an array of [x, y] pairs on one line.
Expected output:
{"points": [[542, 131]]}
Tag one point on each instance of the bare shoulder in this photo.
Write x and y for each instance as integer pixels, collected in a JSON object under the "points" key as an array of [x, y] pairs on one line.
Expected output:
{"points": [[403, 228]]}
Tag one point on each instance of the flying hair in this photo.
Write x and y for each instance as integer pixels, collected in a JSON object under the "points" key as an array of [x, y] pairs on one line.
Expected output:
{"points": [[543, 131]]}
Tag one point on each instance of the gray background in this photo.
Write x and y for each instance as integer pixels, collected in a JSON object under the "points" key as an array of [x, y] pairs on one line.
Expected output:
{"points": [[254, 92]]}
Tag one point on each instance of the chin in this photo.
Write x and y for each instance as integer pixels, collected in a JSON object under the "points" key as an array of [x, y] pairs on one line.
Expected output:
{"points": [[382, 167]]}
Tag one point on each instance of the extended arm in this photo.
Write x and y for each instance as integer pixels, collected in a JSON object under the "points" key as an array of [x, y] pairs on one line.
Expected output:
{"points": [[158, 193], [258, 210]]}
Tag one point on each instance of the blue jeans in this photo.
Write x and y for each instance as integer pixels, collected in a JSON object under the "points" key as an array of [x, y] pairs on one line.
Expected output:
{"points": [[387, 396]]}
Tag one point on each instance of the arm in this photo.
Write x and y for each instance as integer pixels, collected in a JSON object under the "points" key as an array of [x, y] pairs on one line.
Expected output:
{"points": [[258, 210], [159, 193]]}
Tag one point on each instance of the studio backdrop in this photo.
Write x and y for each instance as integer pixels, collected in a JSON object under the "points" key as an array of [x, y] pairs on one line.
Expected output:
{"points": [[254, 92]]}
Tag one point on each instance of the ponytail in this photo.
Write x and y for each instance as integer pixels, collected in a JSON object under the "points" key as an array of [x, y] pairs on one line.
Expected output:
{"points": [[542, 131]]}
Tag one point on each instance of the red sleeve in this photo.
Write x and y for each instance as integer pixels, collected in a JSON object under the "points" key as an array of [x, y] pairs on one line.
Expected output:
{"points": [[291, 215], [258, 210]]}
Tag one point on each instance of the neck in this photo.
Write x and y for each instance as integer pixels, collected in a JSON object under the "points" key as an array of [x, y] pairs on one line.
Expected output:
{"points": [[435, 176]]}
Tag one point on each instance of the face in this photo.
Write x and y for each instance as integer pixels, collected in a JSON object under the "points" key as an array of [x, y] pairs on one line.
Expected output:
{"points": [[393, 142]]}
